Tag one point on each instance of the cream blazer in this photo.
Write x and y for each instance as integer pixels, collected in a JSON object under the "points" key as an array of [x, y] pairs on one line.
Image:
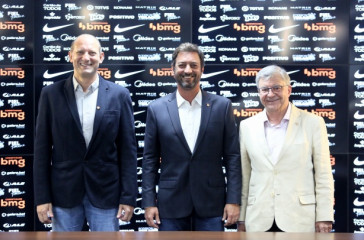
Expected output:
{"points": [[298, 190]]}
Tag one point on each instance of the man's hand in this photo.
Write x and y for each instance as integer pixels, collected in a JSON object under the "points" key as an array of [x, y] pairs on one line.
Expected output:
{"points": [[241, 227], [45, 212], [152, 216], [231, 214], [125, 212], [324, 227]]}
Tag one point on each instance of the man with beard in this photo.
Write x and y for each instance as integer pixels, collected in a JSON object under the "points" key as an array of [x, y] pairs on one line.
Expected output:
{"points": [[190, 136]]}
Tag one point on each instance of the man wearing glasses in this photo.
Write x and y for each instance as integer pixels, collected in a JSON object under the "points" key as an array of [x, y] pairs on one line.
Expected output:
{"points": [[287, 177]]}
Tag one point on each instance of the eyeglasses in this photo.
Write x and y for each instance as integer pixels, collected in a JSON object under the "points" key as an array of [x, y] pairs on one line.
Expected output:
{"points": [[274, 89]]}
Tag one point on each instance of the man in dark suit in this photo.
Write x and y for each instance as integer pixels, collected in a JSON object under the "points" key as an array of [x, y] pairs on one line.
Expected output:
{"points": [[190, 135], [85, 148]]}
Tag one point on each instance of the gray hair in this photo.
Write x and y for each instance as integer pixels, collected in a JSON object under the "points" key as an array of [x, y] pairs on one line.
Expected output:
{"points": [[272, 70], [188, 47]]}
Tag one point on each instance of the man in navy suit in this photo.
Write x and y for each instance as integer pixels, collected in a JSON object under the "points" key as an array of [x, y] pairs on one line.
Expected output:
{"points": [[190, 135], [85, 148]]}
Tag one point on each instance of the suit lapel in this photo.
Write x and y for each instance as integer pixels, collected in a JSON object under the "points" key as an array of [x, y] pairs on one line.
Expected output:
{"points": [[71, 101], [205, 116], [260, 136], [176, 123], [102, 102], [293, 127]]}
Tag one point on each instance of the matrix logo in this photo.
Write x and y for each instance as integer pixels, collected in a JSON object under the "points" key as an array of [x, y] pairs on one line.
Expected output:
{"points": [[95, 26], [174, 27]]}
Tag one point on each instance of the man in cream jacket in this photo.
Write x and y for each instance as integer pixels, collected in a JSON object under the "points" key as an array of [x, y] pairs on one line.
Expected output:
{"points": [[287, 177]]}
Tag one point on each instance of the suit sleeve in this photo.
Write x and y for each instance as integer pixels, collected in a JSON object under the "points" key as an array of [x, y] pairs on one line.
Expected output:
{"points": [[42, 152], [324, 186], [232, 157], [151, 160], [127, 153], [246, 172]]}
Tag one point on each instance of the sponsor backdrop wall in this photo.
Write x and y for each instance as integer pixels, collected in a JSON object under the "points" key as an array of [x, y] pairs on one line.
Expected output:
{"points": [[320, 43]]}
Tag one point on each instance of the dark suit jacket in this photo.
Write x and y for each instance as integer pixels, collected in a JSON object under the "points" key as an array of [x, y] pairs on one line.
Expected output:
{"points": [[64, 169], [191, 180]]}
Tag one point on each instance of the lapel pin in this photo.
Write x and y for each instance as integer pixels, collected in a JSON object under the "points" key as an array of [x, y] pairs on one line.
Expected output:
{"points": [[98, 107], [208, 104]]}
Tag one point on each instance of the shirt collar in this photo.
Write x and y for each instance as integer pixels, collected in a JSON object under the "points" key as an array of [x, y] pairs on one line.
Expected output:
{"points": [[92, 87], [285, 118], [181, 100]]}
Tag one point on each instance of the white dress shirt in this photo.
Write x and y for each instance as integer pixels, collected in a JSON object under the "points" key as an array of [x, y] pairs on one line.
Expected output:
{"points": [[86, 106], [190, 117], [275, 134]]}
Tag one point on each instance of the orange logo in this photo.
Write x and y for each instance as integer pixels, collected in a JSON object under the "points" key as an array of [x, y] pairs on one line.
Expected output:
{"points": [[12, 72], [174, 27], [325, 113], [161, 72], [10, 161], [13, 202], [247, 113], [248, 72], [12, 113], [18, 26], [329, 27], [95, 26], [250, 27], [320, 72], [104, 72]]}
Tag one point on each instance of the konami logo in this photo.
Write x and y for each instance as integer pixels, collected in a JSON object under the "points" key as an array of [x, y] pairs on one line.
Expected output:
{"points": [[161, 72]]}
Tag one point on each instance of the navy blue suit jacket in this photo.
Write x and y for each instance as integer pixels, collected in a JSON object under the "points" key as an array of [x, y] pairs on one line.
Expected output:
{"points": [[191, 180], [64, 169]]}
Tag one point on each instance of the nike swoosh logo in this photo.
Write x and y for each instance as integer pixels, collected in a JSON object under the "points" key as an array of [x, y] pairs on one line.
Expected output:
{"points": [[358, 203], [358, 75], [124, 29], [201, 29], [136, 113], [51, 29], [358, 116], [358, 162], [207, 75], [358, 29], [122, 75], [272, 29], [52, 75], [291, 72]]}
